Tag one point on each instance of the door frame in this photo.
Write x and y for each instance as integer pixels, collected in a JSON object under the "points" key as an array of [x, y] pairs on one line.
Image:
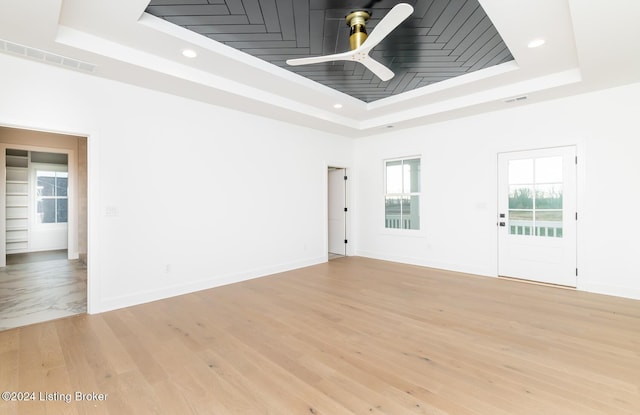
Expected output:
{"points": [[580, 191], [341, 190], [72, 223], [349, 250], [92, 188]]}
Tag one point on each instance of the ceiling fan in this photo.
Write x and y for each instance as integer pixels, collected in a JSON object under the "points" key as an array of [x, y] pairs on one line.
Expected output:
{"points": [[361, 44]]}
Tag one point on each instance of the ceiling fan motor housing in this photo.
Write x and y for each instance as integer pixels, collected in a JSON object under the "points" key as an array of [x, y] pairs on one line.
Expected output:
{"points": [[356, 20], [361, 44]]}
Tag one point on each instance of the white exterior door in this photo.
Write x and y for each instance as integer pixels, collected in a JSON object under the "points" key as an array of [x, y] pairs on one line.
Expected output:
{"points": [[337, 214], [537, 215]]}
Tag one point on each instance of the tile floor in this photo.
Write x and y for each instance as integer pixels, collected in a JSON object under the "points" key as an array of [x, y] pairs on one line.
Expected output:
{"points": [[41, 286]]}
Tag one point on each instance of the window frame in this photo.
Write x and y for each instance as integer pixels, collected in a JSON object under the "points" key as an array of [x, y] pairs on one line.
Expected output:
{"points": [[418, 194]]}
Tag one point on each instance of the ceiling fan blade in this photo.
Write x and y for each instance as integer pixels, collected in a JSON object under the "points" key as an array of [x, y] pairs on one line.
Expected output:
{"points": [[397, 15], [319, 59], [377, 68]]}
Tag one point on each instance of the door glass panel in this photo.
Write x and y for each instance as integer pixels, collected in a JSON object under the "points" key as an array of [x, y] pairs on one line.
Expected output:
{"points": [[521, 171], [549, 223], [549, 196], [549, 170], [549, 216], [535, 197], [520, 197], [520, 222]]}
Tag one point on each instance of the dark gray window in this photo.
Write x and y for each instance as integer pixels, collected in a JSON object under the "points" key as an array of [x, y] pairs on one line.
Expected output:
{"points": [[52, 196]]}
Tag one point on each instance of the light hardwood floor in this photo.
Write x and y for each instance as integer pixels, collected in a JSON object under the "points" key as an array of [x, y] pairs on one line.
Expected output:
{"points": [[351, 336]]}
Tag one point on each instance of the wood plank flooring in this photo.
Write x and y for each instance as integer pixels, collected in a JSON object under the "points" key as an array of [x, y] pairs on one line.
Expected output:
{"points": [[351, 336]]}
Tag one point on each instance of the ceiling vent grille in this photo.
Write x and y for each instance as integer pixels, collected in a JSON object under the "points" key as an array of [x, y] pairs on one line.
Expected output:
{"points": [[47, 57], [516, 99]]}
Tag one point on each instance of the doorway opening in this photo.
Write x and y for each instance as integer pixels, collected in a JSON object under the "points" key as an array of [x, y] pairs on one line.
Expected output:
{"points": [[337, 212], [43, 221]]}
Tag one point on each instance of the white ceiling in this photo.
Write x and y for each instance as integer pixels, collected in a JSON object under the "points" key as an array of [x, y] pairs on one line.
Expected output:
{"points": [[590, 44]]}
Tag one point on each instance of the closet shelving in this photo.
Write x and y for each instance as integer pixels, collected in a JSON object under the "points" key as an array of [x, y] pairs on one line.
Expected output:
{"points": [[17, 200]]}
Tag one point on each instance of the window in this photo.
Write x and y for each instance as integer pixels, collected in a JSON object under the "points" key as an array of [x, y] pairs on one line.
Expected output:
{"points": [[51, 196], [402, 194]]}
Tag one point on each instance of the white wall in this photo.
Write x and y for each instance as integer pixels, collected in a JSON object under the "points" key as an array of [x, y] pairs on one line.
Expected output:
{"points": [[186, 196], [182, 195], [459, 170]]}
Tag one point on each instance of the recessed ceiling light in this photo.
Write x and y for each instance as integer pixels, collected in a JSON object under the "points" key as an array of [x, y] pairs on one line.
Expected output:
{"points": [[337, 106], [189, 53], [535, 43]]}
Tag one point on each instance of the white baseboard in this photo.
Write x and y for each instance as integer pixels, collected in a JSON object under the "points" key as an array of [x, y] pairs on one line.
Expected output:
{"points": [[463, 268], [606, 289], [114, 303]]}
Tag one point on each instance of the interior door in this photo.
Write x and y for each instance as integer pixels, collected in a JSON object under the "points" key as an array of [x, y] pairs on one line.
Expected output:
{"points": [[337, 214], [537, 215]]}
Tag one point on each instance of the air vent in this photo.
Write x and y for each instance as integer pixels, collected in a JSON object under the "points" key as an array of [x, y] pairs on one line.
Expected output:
{"points": [[47, 57], [516, 99]]}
